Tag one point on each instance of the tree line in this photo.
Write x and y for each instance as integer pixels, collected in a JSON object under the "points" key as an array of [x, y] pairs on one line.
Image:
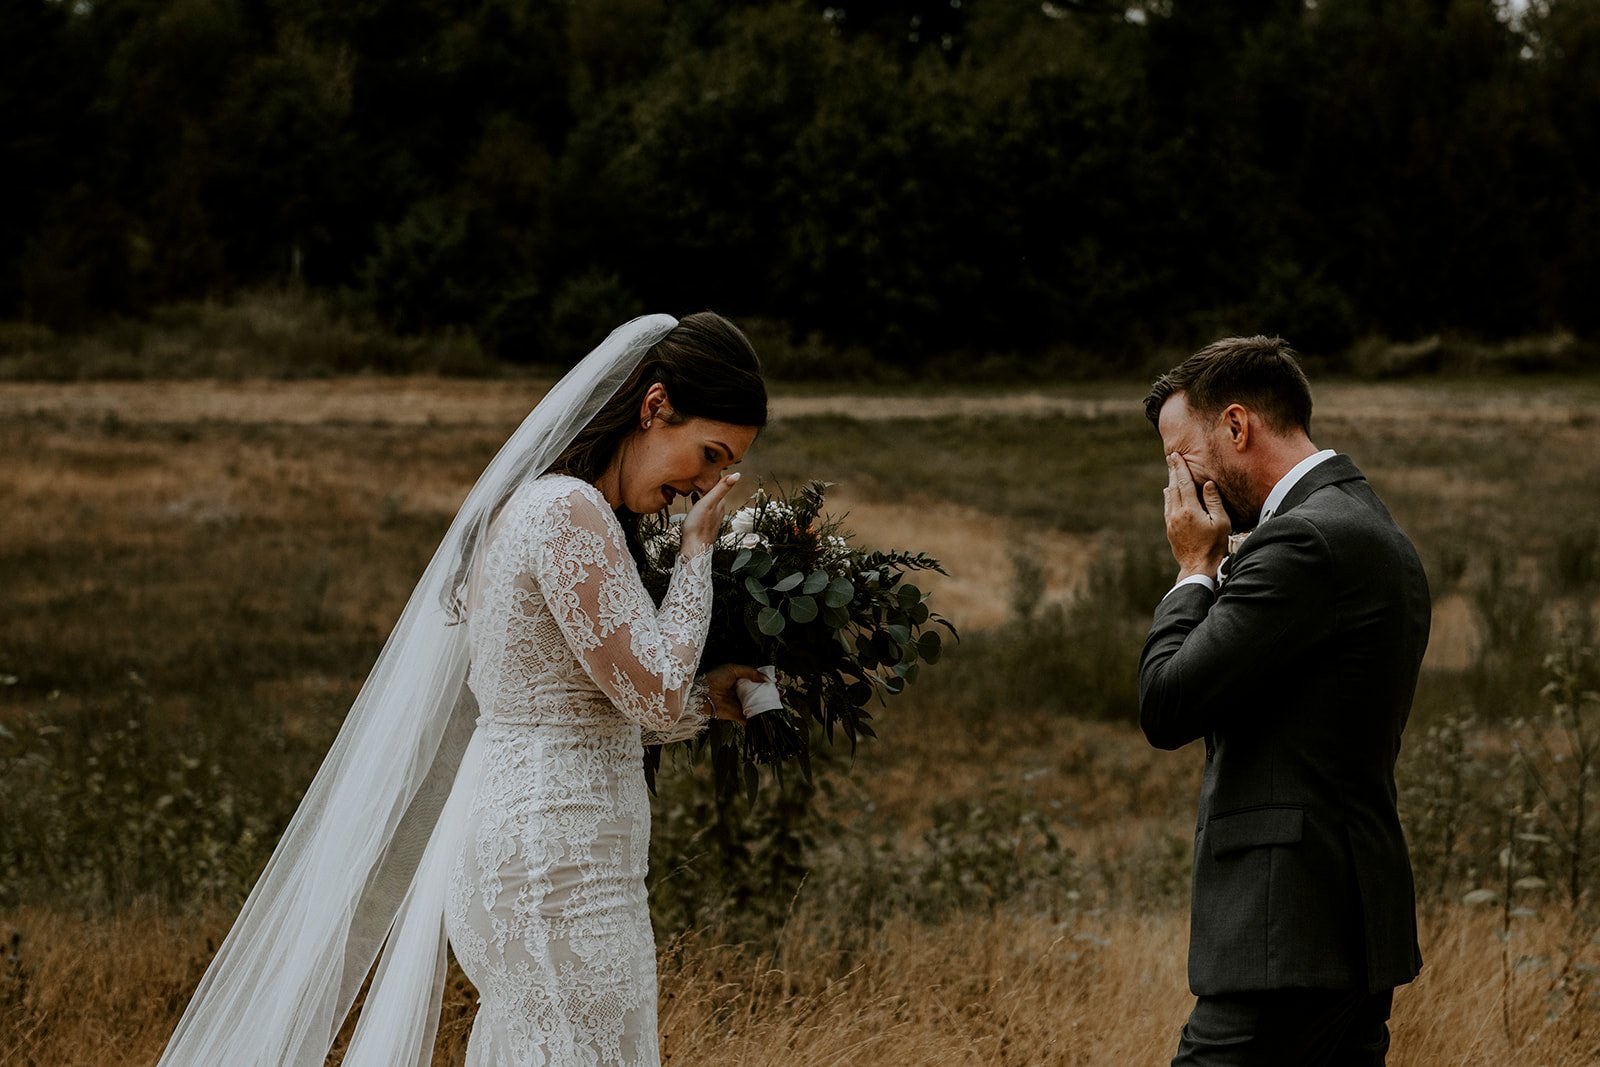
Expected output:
{"points": [[913, 177]]}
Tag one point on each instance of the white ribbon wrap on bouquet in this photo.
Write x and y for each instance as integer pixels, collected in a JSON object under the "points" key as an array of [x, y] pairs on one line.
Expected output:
{"points": [[757, 697]]}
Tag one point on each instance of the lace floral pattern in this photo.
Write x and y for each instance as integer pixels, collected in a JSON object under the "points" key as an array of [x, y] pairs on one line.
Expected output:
{"points": [[575, 669]]}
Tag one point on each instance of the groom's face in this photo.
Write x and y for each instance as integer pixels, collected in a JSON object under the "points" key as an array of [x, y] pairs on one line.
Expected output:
{"points": [[1207, 450]]}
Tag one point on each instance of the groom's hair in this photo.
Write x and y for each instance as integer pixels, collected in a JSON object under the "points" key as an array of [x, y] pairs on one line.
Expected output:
{"points": [[1262, 373]]}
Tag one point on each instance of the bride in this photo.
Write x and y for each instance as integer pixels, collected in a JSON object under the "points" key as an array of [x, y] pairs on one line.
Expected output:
{"points": [[487, 787]]}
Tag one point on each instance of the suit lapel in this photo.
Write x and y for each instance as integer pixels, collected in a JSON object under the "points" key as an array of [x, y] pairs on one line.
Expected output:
{"points": [[1329, 472]]}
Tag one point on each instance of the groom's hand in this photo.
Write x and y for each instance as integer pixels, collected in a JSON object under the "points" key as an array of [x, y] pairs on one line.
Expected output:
{"points": [[1197, 531]]}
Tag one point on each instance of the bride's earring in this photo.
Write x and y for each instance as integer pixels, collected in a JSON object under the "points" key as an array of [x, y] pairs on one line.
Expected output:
{"points": [[647, 423]]}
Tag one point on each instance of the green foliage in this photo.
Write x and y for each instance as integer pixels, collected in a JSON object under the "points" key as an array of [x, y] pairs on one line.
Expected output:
{"points": [[982, 853], [1560, 755], [585, 309], [285, 334], [1574, 565], [102, 809], [913, 179], [1002, 849], [1452, 797], [743, 869], [1501, 802], [418, 276], [1512, 614], [1513, 828], [1076, 658], [733, 864]]}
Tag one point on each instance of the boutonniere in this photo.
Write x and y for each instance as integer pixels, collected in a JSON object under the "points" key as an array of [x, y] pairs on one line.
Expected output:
{"points": [[1235, 542]]}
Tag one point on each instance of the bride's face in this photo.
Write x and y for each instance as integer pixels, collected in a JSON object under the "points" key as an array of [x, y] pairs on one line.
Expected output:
{"points": [[667, 462], [671, 458]]}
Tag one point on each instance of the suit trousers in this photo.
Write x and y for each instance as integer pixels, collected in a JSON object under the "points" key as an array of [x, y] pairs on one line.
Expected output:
{"points": [[1283, 1027]]}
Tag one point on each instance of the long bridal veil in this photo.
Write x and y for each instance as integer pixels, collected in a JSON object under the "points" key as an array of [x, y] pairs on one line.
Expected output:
{"points": [[362, 865]]}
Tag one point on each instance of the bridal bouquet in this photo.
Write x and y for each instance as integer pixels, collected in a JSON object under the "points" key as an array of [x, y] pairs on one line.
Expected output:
{"points": [[838, 624]]}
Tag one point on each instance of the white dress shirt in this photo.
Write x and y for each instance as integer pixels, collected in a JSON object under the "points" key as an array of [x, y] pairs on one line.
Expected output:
{"points": [[1269, 508]]}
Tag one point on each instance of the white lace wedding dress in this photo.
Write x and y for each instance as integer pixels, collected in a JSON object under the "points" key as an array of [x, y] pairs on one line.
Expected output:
{"points": [[572, 666]]}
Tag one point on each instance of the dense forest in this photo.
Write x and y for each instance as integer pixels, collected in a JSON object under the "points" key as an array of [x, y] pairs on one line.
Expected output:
{"points": [[914, 177]]}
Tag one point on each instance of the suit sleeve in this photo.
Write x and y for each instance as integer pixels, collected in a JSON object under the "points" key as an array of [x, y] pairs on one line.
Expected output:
{"points": [[1204, 651]]}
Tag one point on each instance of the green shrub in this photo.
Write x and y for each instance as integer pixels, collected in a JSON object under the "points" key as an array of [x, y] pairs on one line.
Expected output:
{"points": [[281, 334], [1079, 658], [584, 311], [728, 862], [101, 809]]}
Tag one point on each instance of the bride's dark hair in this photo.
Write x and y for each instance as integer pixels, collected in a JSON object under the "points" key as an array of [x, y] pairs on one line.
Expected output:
{"points": [[710, 371]]}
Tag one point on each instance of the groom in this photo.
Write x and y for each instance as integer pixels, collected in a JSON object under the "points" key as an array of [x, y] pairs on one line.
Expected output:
{"points": [[1295, 661]]}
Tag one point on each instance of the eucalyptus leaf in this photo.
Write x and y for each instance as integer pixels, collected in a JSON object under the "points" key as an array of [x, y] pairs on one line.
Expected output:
{"points": [[770, 621], [836, 617], [740, 560], [788, 582], [929, 647], [909, 596], [840, 592], [899, 632], [803, 608], [815, 583]]}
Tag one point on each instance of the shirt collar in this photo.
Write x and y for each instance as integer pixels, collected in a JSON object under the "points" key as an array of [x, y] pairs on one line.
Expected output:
{"points": [[1288, 481]]}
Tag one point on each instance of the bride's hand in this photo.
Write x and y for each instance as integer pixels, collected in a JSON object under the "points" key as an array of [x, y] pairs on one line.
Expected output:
{"points": [[720, 687], [704, 521]]}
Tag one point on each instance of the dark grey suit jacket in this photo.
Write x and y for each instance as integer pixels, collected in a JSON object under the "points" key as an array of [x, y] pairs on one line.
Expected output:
{"points": [[1299, 675]]}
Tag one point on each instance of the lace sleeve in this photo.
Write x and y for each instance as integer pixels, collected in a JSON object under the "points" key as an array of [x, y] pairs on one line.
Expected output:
{"points": [[696, 714], [642, 657]]}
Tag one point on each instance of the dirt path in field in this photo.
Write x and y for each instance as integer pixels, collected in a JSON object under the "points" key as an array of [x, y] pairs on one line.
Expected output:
{"points": [[977, 547], [455, 402], [427, 401]]}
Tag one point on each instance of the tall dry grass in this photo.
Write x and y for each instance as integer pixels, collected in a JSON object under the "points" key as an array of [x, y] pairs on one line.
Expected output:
{"points": [[1099, 990]]}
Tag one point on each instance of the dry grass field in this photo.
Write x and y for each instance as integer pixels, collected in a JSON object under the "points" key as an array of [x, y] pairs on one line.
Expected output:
{"points": [[194, 577], [1099, 991]]}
